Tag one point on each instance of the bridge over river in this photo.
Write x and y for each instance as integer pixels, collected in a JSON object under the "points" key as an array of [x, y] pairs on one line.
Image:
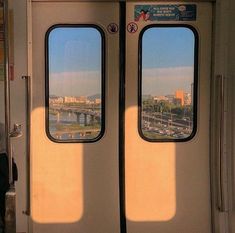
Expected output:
{"points": [[94, 115], [75, 134]]}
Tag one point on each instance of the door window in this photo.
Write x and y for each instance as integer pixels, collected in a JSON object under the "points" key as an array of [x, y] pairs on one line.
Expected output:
{"points": [[75, 83], [168, 83]]}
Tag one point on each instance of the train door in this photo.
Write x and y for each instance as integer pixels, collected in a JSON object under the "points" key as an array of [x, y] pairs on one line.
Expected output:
{"points": [[75, 139], [167, 168], [74, 132]]}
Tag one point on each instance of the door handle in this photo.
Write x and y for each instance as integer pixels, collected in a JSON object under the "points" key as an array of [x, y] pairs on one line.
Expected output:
{"points": [[28, 123], [16, 132], [222, 158]]}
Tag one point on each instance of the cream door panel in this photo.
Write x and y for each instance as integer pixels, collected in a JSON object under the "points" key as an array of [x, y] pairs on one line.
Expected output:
{"points": [[74, 186], [168, 183]]}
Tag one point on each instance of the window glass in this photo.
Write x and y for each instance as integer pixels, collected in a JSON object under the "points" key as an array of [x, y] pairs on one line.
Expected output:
{"points": [[168, 83], [75, 83]]}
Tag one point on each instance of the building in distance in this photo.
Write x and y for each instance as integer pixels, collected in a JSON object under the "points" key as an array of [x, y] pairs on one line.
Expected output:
{"points": [[160, 98], [56, 100], [98, 101], [187, 99], [179, 97]]}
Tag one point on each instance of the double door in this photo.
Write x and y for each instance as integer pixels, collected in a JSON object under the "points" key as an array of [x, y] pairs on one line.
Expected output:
{"points": [[120, 117]]}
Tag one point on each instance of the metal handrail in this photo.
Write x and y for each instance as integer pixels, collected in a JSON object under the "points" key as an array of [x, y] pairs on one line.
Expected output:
{"points": [[7, 90], [28, 120], [222, 201]]}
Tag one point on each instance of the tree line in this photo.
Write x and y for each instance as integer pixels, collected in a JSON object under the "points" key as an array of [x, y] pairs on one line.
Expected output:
{"points": [[153, 106]]}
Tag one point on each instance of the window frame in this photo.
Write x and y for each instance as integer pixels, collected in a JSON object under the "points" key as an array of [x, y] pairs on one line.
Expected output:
{"points": [[47, 87], [195, 81]]}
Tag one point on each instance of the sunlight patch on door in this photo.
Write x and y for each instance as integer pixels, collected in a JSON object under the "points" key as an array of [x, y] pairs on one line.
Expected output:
{"points": [[150, 177], [57, 181]]}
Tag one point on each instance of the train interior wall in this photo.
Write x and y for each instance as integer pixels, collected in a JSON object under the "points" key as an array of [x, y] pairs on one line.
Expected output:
{"points": [[18, 107], [224, 63]]}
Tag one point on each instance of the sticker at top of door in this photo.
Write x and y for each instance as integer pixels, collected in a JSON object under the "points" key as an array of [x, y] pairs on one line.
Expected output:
{"points": [[181, 12]]}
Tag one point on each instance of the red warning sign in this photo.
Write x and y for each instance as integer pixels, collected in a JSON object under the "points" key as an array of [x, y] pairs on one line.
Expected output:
{"points": [[132, 27], [112, 28]]}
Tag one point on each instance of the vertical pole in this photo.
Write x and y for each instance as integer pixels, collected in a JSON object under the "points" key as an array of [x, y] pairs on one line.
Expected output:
{"points": [[28, 123], [7, 89], [10, 217], [10, 214]]}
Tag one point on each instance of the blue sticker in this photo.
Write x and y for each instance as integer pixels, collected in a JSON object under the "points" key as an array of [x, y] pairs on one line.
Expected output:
{"points": [[182, 12]]}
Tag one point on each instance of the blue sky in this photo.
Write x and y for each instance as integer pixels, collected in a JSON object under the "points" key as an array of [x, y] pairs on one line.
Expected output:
{"points": [[167, 60], [167, 47], [75, 60], [74, 49]]}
